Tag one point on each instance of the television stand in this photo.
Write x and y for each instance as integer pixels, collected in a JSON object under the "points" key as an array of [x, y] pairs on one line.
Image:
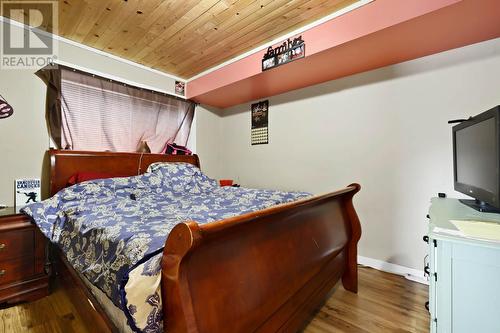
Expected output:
{"points": [[464, 287], [480, 206]]}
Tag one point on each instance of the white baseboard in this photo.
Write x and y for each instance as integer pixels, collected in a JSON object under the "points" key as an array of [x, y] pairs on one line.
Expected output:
{"points": [[409, 273]]}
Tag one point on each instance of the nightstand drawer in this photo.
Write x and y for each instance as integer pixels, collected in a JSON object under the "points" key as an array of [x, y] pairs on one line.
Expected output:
{"points": [[16, 270], [22, 259], [16, 243]]}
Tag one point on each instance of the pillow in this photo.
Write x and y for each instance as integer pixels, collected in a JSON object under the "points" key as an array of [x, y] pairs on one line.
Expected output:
{"points": [[182, 177], [83, 176]]}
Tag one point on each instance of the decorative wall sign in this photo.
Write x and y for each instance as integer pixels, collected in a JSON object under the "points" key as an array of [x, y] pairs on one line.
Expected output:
{"points": [[260, 133], [27, 191], [180, 88], [5, 109], [290, 50]]}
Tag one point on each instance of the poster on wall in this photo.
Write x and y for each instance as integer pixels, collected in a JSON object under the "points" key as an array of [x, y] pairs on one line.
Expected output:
{"points": [[260, 114], [27, 191]]}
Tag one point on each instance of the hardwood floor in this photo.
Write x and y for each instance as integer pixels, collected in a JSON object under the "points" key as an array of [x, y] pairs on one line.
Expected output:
{"points": [[385, 303], [52, 314]]}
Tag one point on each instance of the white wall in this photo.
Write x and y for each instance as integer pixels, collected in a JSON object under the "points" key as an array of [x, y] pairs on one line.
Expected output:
{"points": [[209, 138], [23, 136], [385, 129]]}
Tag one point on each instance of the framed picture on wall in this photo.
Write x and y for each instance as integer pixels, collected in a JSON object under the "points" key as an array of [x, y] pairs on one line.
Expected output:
{"points": [[298, 52], [283, 58], [268, 63], [180, 88], [284, 53]]}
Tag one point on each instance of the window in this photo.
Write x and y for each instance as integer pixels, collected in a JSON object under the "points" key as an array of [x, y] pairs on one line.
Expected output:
{"points": [[87, 112]]}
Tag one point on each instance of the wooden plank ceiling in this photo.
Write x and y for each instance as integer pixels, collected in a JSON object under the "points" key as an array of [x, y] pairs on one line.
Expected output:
{"points": [[185, 37]]}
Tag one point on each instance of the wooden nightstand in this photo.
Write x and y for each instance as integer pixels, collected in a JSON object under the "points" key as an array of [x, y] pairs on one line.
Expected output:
{"points": [[22, 259]]}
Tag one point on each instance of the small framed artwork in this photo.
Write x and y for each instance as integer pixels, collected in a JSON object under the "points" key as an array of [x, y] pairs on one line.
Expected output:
{"points": [[27, 191], [260, 121], [297, 52], [283, 58], [180, 88], [268, 63]]}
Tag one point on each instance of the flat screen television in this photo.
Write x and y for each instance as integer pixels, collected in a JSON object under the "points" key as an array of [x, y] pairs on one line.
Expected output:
{"points": [[476, 156]]}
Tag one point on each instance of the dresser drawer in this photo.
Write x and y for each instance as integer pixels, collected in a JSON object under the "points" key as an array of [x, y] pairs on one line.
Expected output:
{"points": [[16, 243], [16, 270]]}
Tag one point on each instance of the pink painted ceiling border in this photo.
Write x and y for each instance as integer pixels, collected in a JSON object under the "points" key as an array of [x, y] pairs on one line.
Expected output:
{"points": [[363, 21]]}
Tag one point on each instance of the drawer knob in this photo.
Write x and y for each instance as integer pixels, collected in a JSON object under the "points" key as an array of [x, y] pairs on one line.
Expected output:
{"points": [[2, 246], [2, 272]]}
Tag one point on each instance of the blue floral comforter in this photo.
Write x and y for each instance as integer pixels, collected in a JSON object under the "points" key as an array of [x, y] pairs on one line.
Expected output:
{"points": [[113, 230]]}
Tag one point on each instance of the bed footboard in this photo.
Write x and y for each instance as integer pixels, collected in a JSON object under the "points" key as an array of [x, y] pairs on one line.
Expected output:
{"points": [[261, 272]]}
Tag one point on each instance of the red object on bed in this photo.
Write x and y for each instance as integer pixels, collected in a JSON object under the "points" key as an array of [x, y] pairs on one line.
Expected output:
{"points": [[226, 182], [84, 176]]}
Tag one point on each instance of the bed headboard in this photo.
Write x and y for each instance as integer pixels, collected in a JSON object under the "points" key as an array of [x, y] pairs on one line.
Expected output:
{"points": [[65, 163]]}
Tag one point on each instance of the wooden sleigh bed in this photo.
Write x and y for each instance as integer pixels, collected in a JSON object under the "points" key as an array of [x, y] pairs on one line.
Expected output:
{"points": [[266, 271]]}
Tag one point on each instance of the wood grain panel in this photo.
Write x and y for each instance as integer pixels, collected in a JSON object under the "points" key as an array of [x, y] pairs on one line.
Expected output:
{"points": [[185, 37], [241, 36], [65, 163], [16, 243], [268, 268], [15, 270]]}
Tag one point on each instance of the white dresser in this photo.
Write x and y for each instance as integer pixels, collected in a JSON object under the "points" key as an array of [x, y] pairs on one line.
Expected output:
{"points": [[464, 292]]}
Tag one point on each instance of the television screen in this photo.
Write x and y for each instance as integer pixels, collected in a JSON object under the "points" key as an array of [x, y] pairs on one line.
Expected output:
{"points": [[476, 155], [476, 148]]}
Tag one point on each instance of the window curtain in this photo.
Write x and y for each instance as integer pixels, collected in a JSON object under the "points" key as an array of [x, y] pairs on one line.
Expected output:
{"points": [[52, 78], [87, 112]]}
